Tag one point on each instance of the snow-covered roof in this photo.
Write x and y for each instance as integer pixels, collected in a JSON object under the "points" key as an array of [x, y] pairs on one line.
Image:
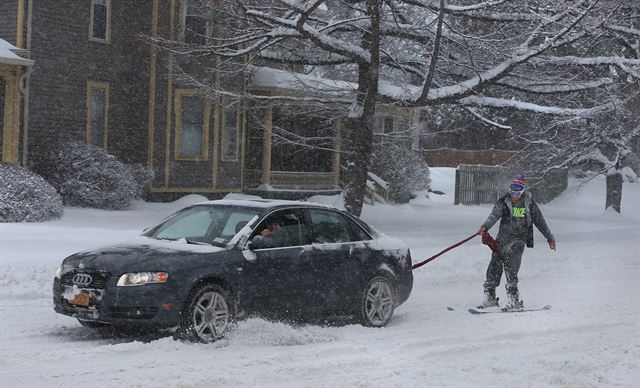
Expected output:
{"points": [[267, 77], [259, 203], [8, 56], [288, 81]]}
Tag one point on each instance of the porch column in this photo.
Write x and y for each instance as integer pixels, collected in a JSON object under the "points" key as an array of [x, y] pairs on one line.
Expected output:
{"points": [[335, 161], [266, 145], [415, 125], [11, 120]]}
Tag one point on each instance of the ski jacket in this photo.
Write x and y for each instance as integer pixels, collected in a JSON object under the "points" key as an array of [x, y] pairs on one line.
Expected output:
{"points": [[517, 222]]}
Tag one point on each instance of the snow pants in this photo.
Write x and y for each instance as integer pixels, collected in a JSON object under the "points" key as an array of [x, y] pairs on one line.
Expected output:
{"points": [[508, 260]]}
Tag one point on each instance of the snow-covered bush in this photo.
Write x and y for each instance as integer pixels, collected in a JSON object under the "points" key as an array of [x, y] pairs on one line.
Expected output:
{"points": [[26, 197], [86, 176], [404, 170], [143, 176]]}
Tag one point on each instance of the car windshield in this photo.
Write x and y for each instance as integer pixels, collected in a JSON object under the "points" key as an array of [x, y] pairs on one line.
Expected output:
{"points": [[206, 225]]}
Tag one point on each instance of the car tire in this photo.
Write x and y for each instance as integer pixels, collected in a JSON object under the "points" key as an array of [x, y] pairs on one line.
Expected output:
{"points": [[378, 302], [207, 314]]}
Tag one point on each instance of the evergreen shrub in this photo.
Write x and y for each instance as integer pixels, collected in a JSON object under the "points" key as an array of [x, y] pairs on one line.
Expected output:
{"points": [[26, 197], [87, 176]]}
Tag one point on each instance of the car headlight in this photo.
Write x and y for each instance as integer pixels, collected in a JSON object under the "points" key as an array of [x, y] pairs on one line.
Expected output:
{"points": [[141, 278], [59, 272]]}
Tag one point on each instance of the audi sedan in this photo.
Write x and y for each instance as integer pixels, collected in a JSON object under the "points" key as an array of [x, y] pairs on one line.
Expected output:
{"points": [[214, 262]]}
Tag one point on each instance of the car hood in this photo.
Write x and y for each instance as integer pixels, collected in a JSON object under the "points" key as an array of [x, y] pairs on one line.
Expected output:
{"points": [[141, 254]]}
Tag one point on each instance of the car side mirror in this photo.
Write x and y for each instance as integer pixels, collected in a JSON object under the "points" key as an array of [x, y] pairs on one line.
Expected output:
{"points": [[250, 246], [248, 252]]}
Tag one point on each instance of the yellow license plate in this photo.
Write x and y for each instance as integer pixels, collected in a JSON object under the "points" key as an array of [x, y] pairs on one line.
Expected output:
{"points": [[81, 299]]}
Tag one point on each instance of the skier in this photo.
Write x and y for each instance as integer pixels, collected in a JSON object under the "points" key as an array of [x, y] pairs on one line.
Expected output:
{"points": [[518, 212]]}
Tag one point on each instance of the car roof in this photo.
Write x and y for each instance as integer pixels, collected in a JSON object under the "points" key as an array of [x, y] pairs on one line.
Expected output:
{"points": [[266, 203]]}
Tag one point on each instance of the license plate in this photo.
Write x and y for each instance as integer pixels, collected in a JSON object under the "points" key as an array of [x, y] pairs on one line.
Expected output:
{"points": [[81, 299]]}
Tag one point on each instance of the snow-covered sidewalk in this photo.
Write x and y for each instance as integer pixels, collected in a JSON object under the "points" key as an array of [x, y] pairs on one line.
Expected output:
{"points": [[590, 338]]}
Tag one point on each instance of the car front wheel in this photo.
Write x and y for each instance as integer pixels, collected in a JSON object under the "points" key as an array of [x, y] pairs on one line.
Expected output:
{"points": [[207, 314], [378, 302]]}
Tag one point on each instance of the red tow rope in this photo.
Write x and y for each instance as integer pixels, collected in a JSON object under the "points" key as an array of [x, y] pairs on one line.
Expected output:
{"points": [[420, 264]]}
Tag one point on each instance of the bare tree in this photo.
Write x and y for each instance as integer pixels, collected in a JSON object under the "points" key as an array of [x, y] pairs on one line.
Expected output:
{"points": [[603, 142], [419, 53]]}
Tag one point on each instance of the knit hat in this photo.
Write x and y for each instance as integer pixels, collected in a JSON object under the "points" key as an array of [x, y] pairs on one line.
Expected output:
{"points": [[518, 183]]}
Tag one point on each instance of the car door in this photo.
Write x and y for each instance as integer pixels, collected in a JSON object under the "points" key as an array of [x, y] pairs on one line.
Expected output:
{"points": [[339, 250], [279, 275]]}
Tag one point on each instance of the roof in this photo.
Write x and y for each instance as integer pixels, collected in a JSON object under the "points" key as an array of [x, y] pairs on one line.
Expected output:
{"points": [[288, 81], [262, 203], [267, 77], [8, 56]]}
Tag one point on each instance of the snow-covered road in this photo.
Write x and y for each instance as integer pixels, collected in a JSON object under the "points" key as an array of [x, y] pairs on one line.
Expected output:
{"points": [[590, 338]]}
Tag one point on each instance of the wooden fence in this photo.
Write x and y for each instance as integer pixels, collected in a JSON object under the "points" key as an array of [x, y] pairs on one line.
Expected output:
{"points": [[447, 157], [480, 184]]}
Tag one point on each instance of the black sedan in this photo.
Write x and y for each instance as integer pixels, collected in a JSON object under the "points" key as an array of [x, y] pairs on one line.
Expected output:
{"points": [[213, 262]]}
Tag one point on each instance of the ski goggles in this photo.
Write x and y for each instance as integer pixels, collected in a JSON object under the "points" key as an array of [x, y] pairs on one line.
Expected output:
{"points": [[516, 190]]}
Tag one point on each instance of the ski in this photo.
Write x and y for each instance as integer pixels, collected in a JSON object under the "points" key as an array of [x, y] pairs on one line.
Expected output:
{"points": [[505, 310]]}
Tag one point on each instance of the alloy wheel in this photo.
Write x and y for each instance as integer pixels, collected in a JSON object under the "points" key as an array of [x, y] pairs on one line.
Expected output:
{"points": [[210, 316], [378, 303]]}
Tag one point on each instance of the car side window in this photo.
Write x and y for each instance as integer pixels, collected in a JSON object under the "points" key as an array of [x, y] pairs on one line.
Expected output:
{"points": [[357, 231], [330, 227], [282, 229]]}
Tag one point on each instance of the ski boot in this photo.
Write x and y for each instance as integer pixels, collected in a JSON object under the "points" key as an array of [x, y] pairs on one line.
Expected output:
{"points": [[490, 299], [515, 303]]}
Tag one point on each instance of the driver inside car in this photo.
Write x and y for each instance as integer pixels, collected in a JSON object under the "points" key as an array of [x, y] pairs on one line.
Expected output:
{"points": [[270, 236]]}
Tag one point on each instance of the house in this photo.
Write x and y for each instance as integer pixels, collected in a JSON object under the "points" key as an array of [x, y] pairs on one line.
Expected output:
{"points": [[85, 70]]}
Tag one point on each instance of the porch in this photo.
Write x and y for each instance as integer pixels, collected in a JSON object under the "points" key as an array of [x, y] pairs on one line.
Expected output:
{"points": [[11, 72]]}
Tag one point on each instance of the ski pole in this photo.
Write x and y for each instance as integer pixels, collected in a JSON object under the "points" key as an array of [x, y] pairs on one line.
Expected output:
{"points": [[420, 264]]}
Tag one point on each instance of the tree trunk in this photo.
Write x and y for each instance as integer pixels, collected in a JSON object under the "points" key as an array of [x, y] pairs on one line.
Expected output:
{"points": [[359, 134], [614, 190], [359, 124]]}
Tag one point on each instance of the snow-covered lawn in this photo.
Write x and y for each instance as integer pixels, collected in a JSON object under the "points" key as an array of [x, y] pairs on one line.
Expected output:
{"points": [[590, 338]]}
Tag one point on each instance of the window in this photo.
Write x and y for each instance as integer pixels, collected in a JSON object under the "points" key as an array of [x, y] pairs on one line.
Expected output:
{"points": [[97, 113], [99, 26], [195, 22], [235, 222], [382, 129], [388, 125], [329, 227], [203, 224], [191, 224], [377, 131], [230, 127], [192, 126], [403, 133], [289, 230]]}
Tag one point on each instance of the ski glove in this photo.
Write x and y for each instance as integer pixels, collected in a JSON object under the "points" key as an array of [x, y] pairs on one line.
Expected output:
{"points": [[489, 241]]}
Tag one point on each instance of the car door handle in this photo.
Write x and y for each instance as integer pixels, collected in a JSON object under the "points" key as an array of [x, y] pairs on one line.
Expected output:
{"points": [[238, 269]]}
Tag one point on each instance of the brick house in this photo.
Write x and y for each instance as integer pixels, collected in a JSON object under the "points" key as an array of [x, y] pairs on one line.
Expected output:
{"points": [[83, 70]]}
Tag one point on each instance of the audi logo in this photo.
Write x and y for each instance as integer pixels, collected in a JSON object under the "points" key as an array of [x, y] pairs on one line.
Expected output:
{"points": [[82, 279]]}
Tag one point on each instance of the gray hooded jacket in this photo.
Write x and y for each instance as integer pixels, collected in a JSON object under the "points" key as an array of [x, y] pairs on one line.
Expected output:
{"points": [[517, 219]]}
